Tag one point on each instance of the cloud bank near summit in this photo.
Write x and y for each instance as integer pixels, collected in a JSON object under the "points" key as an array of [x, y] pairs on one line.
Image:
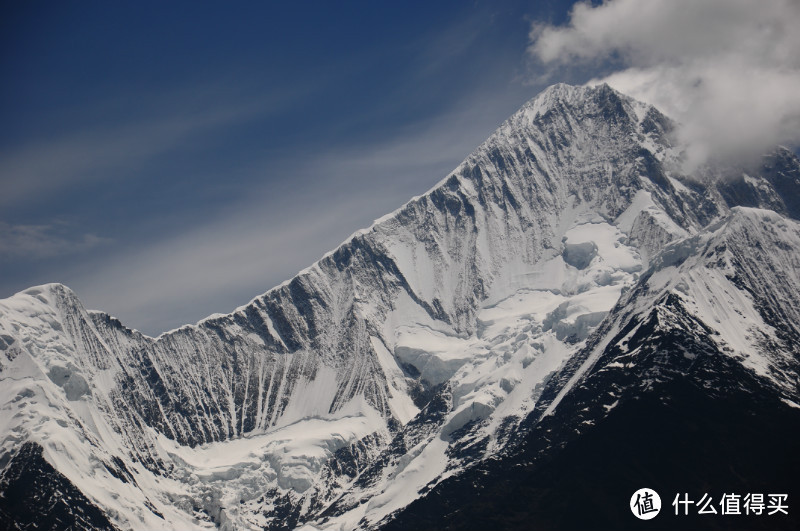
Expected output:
{"points": [[727, 70]]}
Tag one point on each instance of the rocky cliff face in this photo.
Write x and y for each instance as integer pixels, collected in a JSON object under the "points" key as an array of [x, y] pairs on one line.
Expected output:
{"points": [[426, 345], [690, 386]]}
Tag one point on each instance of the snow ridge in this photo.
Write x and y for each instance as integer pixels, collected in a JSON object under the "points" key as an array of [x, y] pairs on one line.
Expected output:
{"points": [[415, 349]]}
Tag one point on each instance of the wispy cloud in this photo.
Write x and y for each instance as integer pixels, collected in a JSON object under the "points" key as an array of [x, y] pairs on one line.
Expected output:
{"points": [[728, 70], [98, 150], [280, 228], [36, 242], [294, 183]]}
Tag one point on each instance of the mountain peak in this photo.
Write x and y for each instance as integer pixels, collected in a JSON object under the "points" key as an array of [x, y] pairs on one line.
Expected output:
{"points": [[560, 93], [53, 295], [582, 97]]}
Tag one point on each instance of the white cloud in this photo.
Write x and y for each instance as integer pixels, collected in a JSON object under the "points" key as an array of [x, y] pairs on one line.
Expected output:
{"points": [[728, 70]]}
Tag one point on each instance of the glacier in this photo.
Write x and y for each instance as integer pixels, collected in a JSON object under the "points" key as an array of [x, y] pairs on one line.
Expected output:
{"points": [[423, 348]]}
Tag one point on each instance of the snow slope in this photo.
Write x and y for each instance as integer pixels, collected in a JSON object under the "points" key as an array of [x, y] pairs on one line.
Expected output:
{"points": [[690, 385]]}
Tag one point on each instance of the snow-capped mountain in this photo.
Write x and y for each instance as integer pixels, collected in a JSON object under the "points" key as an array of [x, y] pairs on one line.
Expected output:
{"points": [[565, 274]]}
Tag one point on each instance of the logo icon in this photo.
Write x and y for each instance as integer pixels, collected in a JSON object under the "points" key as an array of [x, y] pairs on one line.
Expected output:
{"points": [[645, 504]]}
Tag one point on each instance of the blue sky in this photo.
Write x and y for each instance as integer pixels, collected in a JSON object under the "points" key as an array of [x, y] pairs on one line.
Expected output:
{"points": [[169, 160]]}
